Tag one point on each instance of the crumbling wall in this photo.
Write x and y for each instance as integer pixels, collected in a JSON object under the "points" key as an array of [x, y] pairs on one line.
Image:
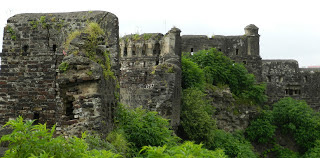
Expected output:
{"points": [[88, 97], [242, 49], [151, 73], [310, 87], [33, 49], [229, 115], [284, 78]]}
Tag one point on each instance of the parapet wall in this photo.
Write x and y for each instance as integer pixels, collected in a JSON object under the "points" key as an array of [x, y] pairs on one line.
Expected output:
{"points": [[151, 73], [33, 47], [242, 49], [284, 78]]}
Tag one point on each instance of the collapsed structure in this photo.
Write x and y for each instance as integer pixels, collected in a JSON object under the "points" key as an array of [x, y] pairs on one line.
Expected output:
{"points": [[80, 96]]}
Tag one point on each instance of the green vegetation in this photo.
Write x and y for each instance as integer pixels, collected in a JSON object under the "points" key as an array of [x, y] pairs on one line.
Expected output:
{"points": [[147, 36], [27, 140], [142, 128], [63, 66], [196, 116], [220, 70], [290, 117], [93, 32], [12, 33], [47, 23], [192, 75], [187, 149]]}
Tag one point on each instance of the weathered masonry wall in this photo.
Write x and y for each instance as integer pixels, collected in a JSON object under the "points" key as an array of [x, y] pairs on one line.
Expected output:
{"points": [[242, 49], [284, 78], [32, 51], [151, 73]]}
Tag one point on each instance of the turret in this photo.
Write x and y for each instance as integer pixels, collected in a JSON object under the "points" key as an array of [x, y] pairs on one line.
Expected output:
{"points": [[251, 31]]}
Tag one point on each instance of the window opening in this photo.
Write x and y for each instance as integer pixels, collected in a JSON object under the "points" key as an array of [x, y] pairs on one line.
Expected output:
{"points": [[269, 78], [69, 110], [54, 48], [36, 117], [125, 52], [25, 48], [244, 62], [237, 51]]}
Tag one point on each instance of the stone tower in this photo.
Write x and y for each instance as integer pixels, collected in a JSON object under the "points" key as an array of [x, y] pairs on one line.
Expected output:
{"points": [[251, 31], [151, 73], [31, 84]]}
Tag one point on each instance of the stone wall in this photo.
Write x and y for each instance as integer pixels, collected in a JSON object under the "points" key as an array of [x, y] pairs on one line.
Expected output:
{"points": [[242, 49], [151, 73], [33, 47], [284, 78]]}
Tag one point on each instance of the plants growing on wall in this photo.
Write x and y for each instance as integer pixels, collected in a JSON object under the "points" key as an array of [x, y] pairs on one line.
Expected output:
{"points": [[221, 70]]}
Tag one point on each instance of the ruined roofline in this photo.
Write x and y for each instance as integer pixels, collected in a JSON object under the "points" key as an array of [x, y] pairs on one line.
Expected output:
{"points": [[72, 15], [309, 69], [215, 36], [279, 60]]}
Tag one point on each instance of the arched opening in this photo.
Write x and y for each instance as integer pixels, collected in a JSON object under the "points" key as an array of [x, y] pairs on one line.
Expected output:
{"points": [[156, 50], [125, 51], [134, 50], [144, 50]]}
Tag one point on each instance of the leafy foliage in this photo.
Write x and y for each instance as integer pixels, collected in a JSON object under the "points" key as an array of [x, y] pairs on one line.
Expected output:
{"points": [[118, 140], [290, 117], [233, 145], [196, 119], [29, 140], [192, 75], [282, 152], [297, 118], [142, 127], [313, 152], [187, 149], [262, 129], [219, 69]]}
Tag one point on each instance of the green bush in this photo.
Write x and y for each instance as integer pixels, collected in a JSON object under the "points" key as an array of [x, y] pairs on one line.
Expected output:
{"points": [[282, 152], [262, 129], [196, 115], [142, 127], [233, 145], [187, 149], [118, 140], [221, 70], [29, 140], [313, 152], [297, 118], [192, 75]]}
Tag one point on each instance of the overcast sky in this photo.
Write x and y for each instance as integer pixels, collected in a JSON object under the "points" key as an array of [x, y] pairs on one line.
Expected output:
{"points": [[289, 29]]}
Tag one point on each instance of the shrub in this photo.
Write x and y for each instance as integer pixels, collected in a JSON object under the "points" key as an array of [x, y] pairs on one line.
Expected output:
{"points": [[119, 142], [297, 118], [262, 129], [313, 152], [192, 75], [196, 115], [187, 149], [282, 152], [233, 145], [27, 140], [142, 127], [219, 69]]}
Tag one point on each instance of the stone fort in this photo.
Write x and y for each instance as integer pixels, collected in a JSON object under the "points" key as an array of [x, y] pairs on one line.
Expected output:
{"points": [[146, 68]]}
